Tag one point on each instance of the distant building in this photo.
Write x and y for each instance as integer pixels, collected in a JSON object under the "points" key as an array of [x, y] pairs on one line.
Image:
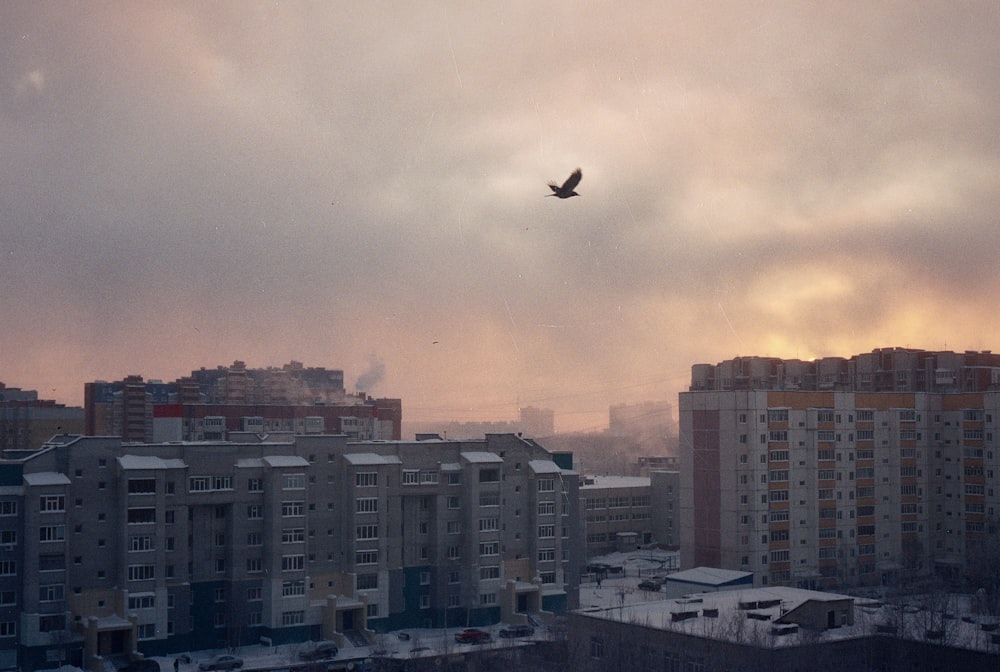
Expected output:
{"points": [[537, 422], [210, 403], [862, 471], [111, 547], [648, 418], [617, 513], [26, 422]]}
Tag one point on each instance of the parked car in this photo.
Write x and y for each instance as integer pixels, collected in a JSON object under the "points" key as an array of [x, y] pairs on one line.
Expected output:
{"points": [[472, 636], [221, 662], [319, 651], [653, 583], [512, 631]]}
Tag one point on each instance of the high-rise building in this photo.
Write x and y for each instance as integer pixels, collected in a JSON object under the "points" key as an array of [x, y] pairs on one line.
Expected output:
{"points": [[841, 471], [108, 547]]}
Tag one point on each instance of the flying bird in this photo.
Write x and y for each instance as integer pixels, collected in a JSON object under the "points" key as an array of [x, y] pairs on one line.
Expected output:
{"points": [[566, 190]]}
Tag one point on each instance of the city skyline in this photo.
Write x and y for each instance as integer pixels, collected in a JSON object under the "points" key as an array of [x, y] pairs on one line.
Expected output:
{"points": [[362, 189]]}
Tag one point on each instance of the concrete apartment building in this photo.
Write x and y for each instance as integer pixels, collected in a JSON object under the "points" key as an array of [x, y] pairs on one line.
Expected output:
{"points": [[210, 403], [108, 547], [26, 422], [860, 471]]}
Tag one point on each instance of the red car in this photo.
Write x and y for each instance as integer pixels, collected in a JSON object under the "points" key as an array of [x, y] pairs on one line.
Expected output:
{"points": [[472, 636]]}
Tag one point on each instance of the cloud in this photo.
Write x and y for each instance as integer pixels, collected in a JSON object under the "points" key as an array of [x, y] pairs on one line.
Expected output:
{"points": [[190, 184]]}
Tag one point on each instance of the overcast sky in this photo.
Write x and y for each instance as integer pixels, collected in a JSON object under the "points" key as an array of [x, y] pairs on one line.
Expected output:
{"points": [[360, 186]]}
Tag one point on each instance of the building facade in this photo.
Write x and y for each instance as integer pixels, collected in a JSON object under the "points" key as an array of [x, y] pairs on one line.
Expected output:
{"points": [[112, 547], [836, 473], [211, 403], [617, 513], [26, 422]]}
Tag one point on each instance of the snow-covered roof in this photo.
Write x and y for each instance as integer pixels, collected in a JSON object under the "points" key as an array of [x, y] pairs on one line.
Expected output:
{"points": [[481, 457], [371, 459], [544, 467], [46, 478], [710, 576], [276, 461], [149, 462]]}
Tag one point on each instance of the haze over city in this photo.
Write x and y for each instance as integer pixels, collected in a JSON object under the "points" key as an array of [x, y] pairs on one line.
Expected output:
{"points": [[360, 186]]}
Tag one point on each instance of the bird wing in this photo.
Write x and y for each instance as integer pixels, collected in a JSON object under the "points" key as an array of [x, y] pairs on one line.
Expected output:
{"points": [[572, 180]]}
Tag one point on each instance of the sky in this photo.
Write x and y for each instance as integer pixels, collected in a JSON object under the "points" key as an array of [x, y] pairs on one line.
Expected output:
{"points": [[360, 186]]}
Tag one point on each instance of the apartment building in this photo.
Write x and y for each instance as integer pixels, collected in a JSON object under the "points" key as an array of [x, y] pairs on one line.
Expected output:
{"points": [[26, 422], [111, 547], [210, 404], [809, 479]]}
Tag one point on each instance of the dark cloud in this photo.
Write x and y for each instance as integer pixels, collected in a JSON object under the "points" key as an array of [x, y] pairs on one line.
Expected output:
{"points": [[188, 184]]}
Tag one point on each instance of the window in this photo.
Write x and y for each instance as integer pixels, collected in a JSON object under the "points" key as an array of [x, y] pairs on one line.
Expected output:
{"points": [[489, 548], [141, 572], [546, 485], [293, 617], [367, 582], [141, 601], [779, 495], [411, 477], [8, 629], [51, 562], [454, 527], [486, 599], [596, 647], [255, 565], [199, 484], [255, 512], [366, 479], [489, 572], [368, 557], [546, 555], [52, 503], [489, 499], [546, 531], [366, 505], [52, 533], [489, 475], [141, 486], [546, 508], [51, 592], [292, 509], [255, 485], [366, 532], [489, 524], [140, 542], [51, 623], [293, 563], [293, 482], [8, 508], [293, 535], [293, 588], [141, 515]]}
